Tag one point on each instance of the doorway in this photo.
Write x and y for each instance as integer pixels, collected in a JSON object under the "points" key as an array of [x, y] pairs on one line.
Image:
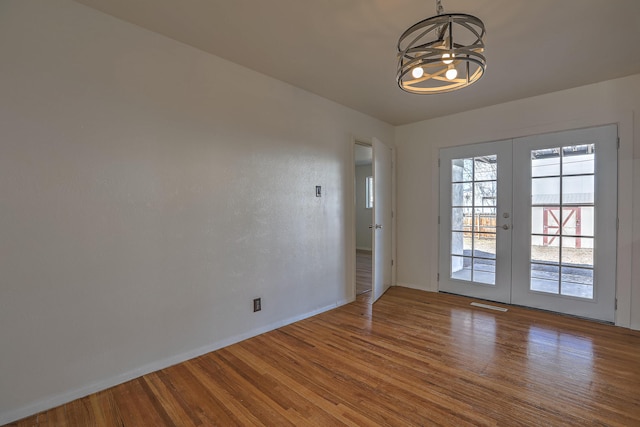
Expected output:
{"points": [[364, 217], [373, 217], [532, 221]]}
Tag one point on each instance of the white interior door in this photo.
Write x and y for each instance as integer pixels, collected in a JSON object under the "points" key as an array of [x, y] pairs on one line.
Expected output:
{"points": [[549, 241], [382, 170], [475, 220]]}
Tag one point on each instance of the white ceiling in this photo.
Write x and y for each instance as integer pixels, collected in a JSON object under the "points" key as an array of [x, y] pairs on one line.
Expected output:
{"points": [[345, 50]]}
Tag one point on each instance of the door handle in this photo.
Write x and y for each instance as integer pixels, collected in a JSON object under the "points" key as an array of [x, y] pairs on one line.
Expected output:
{"points": [[378, 226], [505, 227]]}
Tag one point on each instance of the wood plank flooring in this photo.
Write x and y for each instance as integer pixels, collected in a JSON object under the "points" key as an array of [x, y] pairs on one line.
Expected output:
{"points": [[364, 279], [411, 359]]}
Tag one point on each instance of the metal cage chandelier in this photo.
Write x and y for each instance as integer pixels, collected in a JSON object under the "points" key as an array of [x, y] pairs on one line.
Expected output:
{"points": [[441, 54]]}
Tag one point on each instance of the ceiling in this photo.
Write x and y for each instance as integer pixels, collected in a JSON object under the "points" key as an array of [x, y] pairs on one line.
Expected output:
{"points": [[345, 50]]}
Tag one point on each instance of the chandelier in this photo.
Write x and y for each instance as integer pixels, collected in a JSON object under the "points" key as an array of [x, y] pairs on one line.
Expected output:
{"points": [[442, 53]]}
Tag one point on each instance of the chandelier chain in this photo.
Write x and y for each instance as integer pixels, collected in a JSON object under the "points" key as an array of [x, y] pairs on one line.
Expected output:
{"points": [[439, 8]]}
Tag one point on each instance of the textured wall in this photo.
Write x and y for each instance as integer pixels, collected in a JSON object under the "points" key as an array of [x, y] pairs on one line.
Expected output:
{"points": [[149, 191]]}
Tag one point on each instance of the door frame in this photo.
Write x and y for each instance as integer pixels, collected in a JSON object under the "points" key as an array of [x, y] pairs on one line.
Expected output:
{"points": [[624, 119], [351, 215]]}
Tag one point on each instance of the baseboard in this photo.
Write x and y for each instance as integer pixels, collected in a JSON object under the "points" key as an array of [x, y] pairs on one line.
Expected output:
{"points": [[66, 397], [412, 286]]}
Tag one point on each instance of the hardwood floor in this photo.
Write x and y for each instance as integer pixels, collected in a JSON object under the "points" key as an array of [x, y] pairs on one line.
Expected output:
{"points": [[412, 359], [364, 267]]}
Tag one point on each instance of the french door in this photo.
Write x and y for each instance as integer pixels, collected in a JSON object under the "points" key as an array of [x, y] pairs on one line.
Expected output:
{"points": [[532, 221]]}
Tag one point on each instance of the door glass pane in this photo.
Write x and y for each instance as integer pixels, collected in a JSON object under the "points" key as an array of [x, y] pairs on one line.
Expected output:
{"points": [[461, 268], [486, 168], [459, 244], [546, 221], [543, 252], [486, 193], [577, 251], [562, 220], [578, 221], [461, 170], [462, 194], [578, 190], [484, 245], [545, 191], [577, 282], [484, 271], [578, 159], [460, 220], [484, 220], [537, 224], [545, 278], [545, 162]]}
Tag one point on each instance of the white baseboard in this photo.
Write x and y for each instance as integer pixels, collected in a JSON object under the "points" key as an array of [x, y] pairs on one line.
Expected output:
{"points": [[417, 287], [68, 396]]}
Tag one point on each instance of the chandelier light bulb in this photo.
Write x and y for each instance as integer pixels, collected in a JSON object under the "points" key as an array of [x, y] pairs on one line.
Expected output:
{"points": [[417, 72], [447, 58], [451, 73]]}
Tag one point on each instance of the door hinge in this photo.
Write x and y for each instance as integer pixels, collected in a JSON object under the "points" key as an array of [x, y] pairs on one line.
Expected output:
{"points": [[391, 214], [618, 142], [616, 303], [438, 219], [438, 277], [391, 262], [617, 224], [438, 162]]}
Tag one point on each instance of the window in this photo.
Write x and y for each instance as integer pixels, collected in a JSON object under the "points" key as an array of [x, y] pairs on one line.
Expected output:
{"points": [[474, 190], [562, 220], [369, 189]]}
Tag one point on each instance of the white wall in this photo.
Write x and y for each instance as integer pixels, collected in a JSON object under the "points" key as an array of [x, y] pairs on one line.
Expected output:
{"points": [[417, 145], [148, 192], [364, 215]]}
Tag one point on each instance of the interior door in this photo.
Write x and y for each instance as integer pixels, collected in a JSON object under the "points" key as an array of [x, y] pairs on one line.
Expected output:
{"points": [[381, 229], [556, 250], [475, 220]]}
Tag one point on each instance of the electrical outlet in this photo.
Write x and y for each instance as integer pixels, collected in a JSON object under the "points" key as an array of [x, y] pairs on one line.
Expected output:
{"points": [[257, 304], [318, 191]]}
